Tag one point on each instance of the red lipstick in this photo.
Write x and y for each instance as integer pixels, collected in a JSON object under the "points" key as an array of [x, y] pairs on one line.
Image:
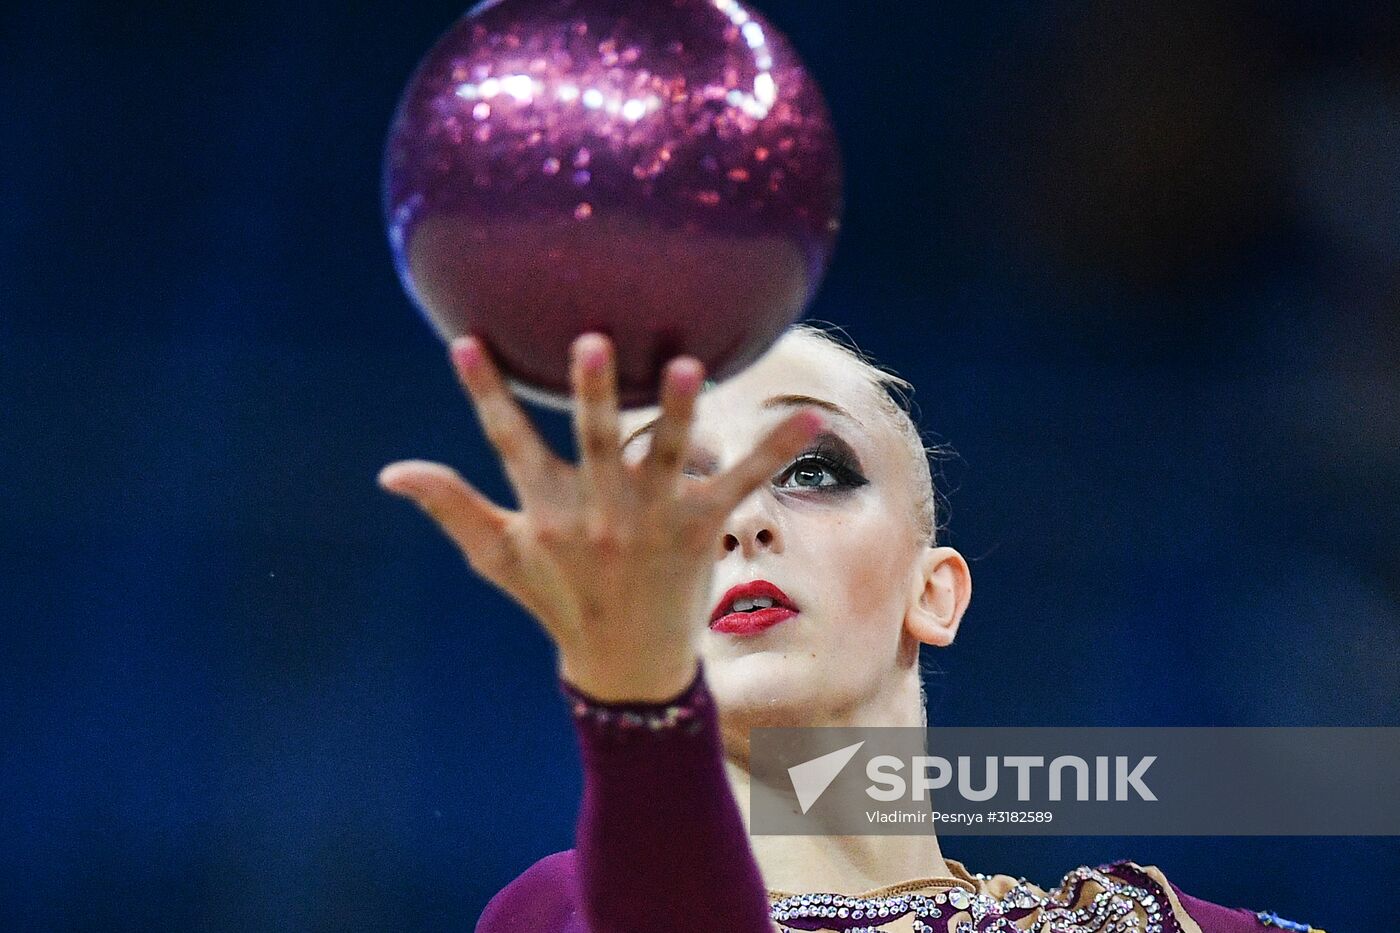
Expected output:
{"points": [[752, 621]]}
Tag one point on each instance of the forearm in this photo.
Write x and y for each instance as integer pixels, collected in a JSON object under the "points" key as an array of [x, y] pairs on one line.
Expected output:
{"points": [[661, 842]]}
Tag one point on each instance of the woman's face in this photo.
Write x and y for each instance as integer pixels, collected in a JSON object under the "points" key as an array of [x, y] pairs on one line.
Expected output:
{"points": [[835, 531]]}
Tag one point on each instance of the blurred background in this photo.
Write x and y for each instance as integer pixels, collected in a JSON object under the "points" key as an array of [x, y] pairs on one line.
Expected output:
{"points": [[1139, 258]]}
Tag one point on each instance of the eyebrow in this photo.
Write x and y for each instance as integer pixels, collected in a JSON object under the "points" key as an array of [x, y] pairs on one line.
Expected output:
{"points": [[776, 401]]}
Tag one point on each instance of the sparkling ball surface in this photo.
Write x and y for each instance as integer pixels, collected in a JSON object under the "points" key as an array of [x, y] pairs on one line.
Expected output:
{"points": [[662, 171]]}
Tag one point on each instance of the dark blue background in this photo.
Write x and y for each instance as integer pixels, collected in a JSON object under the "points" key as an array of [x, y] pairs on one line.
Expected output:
{"points": [[1138, 258]]}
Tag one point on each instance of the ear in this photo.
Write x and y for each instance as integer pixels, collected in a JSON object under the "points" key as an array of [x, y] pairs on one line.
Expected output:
{"points": [[940, 589]]}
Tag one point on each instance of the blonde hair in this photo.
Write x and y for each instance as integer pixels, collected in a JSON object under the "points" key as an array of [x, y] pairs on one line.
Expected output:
{"points": [[894, 399]]}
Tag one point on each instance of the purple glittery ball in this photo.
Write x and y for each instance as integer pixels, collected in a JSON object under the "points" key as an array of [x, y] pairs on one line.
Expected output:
{"points": [[662, 171]]}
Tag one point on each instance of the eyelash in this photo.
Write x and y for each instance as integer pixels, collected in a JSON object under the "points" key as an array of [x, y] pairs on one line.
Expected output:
{"points": [[833, 461], [826, 455]]}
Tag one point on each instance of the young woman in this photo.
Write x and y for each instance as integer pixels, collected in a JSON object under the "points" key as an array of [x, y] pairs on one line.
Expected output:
{"points": [[759, 554]]}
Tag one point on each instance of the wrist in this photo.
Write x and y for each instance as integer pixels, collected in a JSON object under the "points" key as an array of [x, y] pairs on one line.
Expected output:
{"points": [[630, 680]]}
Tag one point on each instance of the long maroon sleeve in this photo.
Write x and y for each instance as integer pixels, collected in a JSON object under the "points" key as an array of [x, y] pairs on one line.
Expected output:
{"points": [[1215, 918], [661, 844], [660, 840]]}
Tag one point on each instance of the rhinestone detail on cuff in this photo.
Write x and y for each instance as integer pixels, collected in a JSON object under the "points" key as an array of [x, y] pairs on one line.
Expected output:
{"points": [[682, 713]]}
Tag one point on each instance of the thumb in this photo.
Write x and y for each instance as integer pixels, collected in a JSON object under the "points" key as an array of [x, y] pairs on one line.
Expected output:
{"points": [[465, 515]]}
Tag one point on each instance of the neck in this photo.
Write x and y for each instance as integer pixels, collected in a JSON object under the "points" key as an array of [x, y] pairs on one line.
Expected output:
{"points": [[830, 863]]}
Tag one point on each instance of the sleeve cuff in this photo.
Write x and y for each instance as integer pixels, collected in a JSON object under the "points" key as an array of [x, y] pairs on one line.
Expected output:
{"points": [[682, 713]]}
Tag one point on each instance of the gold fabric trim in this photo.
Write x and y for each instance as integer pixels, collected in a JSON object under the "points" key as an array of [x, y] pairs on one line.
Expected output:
{"points": [[960, 876]]}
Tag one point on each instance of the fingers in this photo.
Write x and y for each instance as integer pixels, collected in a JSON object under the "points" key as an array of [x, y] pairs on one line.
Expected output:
{"points": [[473, 522], [524, 454], [679, 389], [596, 432], [776, 449]]}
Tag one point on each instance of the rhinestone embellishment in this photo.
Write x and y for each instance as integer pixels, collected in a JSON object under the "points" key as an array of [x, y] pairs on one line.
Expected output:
{"points": [[623, 720], [1112, 905]]}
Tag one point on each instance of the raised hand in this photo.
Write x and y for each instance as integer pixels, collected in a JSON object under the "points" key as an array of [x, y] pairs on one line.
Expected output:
{"points": [[614, 559]]}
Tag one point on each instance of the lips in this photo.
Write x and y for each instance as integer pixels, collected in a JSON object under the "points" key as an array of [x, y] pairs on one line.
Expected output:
{"points": [[754, 621]]}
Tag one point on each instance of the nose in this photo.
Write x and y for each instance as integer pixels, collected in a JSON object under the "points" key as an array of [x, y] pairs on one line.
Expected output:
{"points": [[751, 529]]}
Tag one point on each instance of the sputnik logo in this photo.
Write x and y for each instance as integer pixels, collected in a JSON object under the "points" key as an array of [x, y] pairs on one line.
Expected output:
{"points": [[811, 778]]}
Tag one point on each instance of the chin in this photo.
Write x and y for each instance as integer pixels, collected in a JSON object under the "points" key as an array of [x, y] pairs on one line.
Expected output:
{"points": [[767, 687]]}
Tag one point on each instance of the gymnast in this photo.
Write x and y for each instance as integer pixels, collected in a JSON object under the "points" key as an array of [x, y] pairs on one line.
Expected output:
{"points": [[758, 552]]}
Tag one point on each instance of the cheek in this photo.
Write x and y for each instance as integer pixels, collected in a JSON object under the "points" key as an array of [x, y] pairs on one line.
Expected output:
{"points": [[857, 567]]}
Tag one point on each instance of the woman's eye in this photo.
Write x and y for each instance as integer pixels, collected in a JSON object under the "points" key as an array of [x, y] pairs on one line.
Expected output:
{"points": [[812, 472]]}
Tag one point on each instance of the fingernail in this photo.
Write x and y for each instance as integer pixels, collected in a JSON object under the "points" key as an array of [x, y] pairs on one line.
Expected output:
{"points": [[686, 375], [591, 350], [385, 479], [466, 352]]}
